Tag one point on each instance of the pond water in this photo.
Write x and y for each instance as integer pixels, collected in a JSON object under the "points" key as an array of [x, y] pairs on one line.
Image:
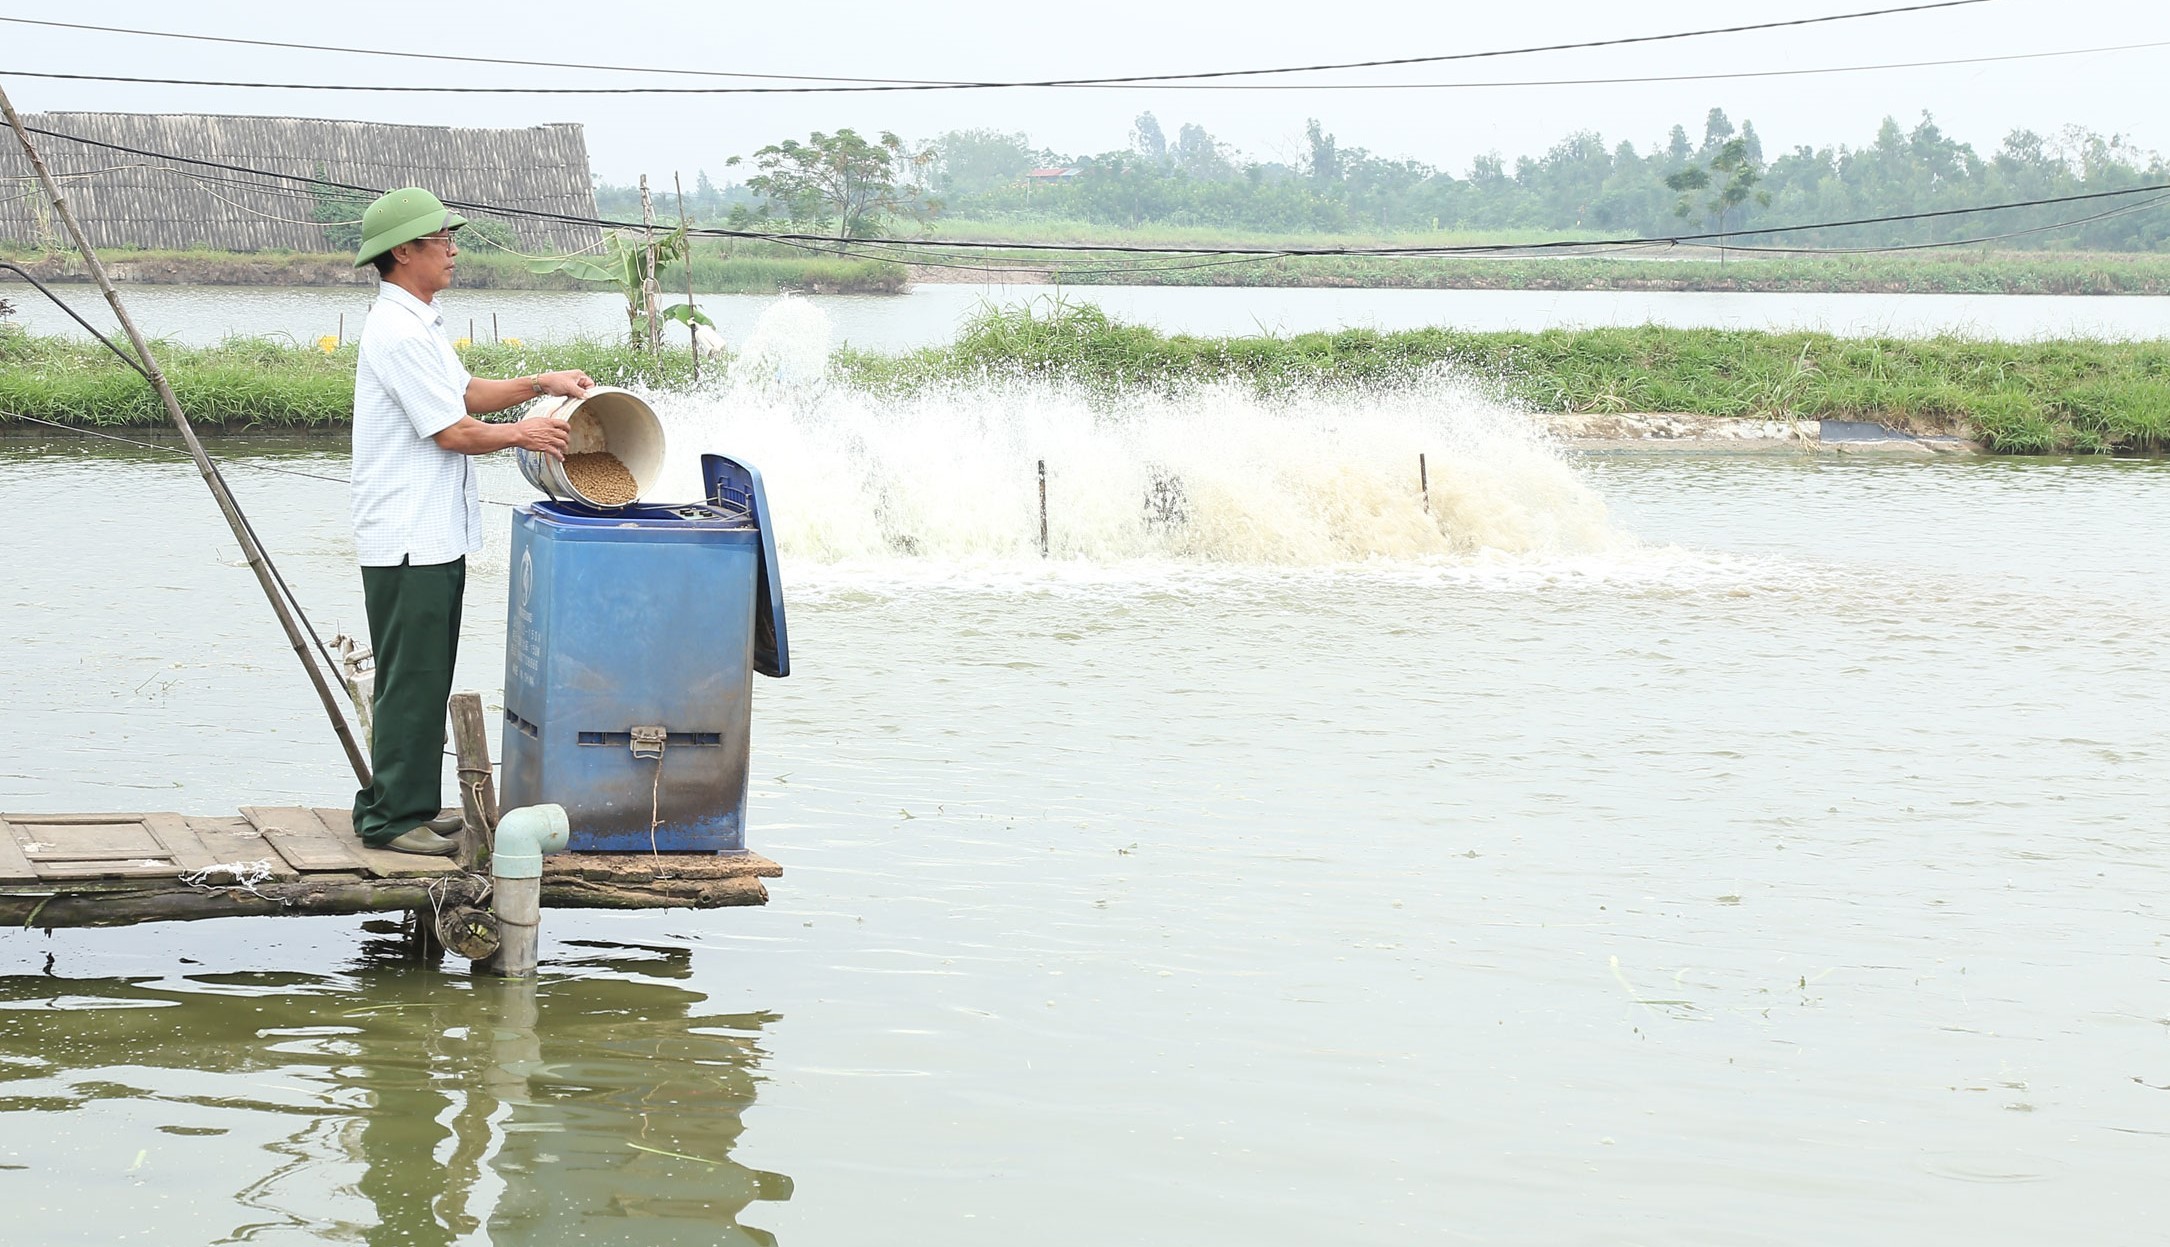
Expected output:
{"points": [[1622, 848], [930, 314]]}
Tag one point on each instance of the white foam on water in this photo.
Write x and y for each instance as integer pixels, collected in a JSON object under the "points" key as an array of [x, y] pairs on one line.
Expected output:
{"points": [[943, 484]]}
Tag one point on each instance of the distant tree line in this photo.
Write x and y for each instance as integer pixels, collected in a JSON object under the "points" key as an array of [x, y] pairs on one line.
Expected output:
{"points": [[1723, 181]]}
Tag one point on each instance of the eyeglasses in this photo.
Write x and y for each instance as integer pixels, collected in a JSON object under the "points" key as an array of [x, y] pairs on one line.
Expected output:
{"points": [[441, 236]]}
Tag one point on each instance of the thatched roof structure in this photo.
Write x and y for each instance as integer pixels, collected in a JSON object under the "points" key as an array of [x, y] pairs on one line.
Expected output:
{"points": [[131, 200]]}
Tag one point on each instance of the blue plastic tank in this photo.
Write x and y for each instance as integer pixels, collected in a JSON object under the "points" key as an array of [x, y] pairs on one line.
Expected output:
{"points": [[631, 642]]}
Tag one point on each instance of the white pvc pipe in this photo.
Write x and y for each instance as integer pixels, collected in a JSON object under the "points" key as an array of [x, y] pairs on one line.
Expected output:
{"points": [[523, 836]]}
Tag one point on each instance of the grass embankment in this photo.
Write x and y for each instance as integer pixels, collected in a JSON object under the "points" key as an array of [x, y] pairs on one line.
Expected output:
{"points": [[2018, 398], [2021, 398], [1978, 271], [758, 268], [2069, 274], [255, 383]]}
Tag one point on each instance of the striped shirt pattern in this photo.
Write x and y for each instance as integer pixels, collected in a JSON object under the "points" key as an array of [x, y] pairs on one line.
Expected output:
{"points": [[414, 501]]}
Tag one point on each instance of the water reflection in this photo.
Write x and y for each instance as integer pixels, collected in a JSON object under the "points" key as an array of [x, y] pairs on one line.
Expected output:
{"points": [[393, 1105]]}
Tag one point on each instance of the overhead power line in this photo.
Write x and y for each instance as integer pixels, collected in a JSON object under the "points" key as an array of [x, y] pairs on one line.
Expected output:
{"points": [[1483, 85], [909, 84], [830, 243]]}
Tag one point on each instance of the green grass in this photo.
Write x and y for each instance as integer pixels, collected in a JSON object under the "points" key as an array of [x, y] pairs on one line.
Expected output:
{"points": [[2023, 398], [1052, 230], [255, 383], [748, 268], [2072, 274], [2020, 398]]}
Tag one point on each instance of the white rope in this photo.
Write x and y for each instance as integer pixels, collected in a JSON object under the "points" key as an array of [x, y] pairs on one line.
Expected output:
{"points": [[245, 876]]}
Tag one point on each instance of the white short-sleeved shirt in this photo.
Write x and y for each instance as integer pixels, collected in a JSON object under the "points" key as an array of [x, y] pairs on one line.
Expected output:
{"points": [[414, 501]]}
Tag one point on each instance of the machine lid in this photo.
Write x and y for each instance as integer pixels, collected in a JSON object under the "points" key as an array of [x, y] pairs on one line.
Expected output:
{"points": [[641, 514], [735, 486]]}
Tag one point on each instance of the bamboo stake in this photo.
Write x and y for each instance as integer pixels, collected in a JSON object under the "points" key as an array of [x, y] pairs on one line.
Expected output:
{"points": [[1043, 508], [259, 561], [648, 283], [1424, 481], [693, 332]]}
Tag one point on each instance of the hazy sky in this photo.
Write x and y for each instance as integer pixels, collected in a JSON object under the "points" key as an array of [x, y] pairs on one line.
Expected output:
{"points": [[979, 39]]}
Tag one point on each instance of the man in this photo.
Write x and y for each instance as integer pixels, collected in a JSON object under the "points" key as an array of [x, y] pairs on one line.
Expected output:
{"points": [[417, 512]]}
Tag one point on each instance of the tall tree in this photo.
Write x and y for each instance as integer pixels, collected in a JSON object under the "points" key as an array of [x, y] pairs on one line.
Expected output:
{"points": [[854, 182], [1717, 129], [1200, 155], [1147, 140], [1677, 147], [974, 162], [1325, 159], [1731, 178]]}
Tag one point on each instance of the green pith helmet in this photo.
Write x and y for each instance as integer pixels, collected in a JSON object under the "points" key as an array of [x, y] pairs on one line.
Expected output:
{"points": [[402, 216]]}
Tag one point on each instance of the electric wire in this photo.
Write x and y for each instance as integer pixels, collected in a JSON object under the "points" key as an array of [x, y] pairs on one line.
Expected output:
{"points": [[890, 84], [1484, 85], [805, 241]]}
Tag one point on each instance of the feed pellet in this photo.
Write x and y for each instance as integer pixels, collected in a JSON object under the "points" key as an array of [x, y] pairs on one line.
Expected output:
{"points": [[601, 478]]}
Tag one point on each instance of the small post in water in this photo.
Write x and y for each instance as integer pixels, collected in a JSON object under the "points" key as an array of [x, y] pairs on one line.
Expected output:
{"points": [[342, 328], [1043, 508], [1424, 483], [494, 337], [470, 331]]}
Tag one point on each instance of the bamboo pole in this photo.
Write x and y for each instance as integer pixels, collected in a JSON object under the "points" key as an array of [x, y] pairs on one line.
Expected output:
{"points": [[259, 561], [1043, 508], [648, 283], [693, 331]]}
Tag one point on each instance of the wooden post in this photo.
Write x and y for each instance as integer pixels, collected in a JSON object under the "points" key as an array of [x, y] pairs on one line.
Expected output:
{"points": [[648, 283], [495, 336], [1424, 482], [470, 331], [267, 576], [693, 331], [478, 787], [1043, 508], [342, 328]]}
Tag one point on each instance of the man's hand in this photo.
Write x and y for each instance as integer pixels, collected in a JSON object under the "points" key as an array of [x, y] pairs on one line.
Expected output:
{"points": [[547, 434], [570, 383]]}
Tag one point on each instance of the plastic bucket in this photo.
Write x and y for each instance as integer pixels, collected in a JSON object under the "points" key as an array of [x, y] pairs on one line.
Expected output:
{"points": [[608, 419]]}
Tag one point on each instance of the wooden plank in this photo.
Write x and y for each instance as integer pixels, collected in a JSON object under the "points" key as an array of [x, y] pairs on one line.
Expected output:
{"points": [[382, 863], [119, 839], [172, 831], [14, 863], [635, 869], [141, 868], [392, 864], [237, 842], [63, 855], [74, 820], [305, 842]]}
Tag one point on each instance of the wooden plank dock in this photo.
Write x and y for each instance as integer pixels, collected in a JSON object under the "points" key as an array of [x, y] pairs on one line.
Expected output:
{"points": [[102, 869]]}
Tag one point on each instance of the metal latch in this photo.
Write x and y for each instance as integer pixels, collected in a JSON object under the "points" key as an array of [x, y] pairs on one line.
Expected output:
{"points": [[648, 742]]}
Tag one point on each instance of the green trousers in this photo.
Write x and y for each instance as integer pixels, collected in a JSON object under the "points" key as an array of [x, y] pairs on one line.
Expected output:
{"points": [[414, 628]]}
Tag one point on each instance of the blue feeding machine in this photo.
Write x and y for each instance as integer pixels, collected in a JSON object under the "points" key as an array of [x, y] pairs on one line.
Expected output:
{"points": [[632, 636]]}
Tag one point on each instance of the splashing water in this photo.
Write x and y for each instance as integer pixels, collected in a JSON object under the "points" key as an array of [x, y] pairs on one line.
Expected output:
{"points": [[1214, 474]]}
